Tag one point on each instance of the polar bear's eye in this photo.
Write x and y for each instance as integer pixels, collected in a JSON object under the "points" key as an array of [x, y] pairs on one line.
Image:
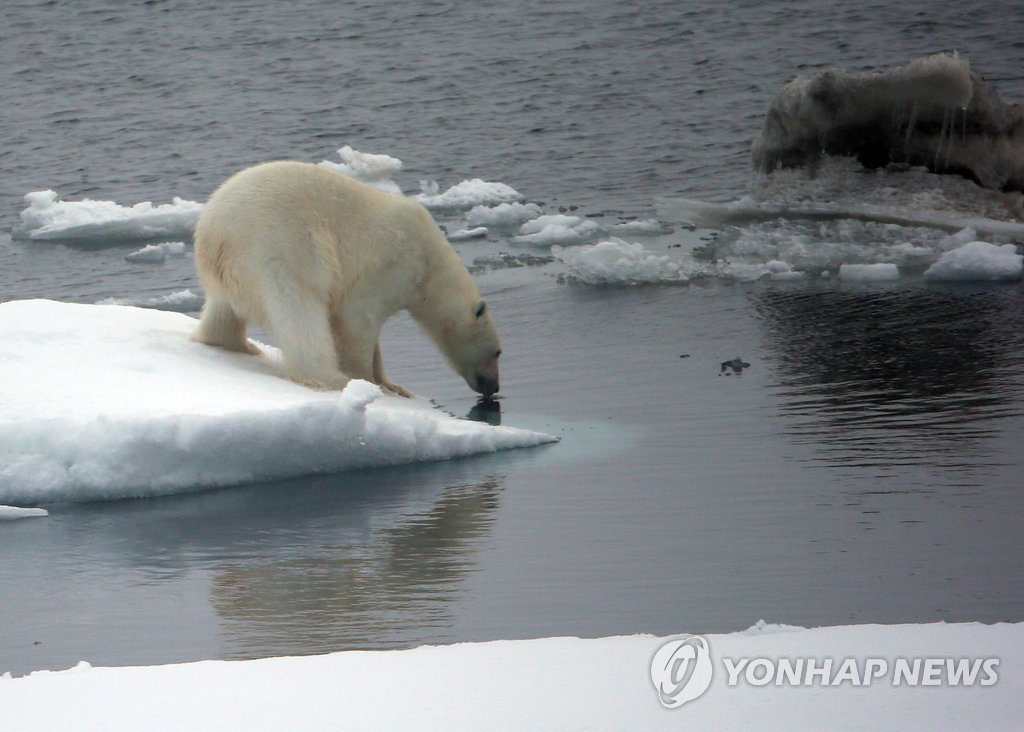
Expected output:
{"points": [[481, 309]]}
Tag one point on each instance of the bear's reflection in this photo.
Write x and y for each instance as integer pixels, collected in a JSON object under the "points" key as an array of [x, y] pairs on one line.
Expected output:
{"points": [[392, 587]]}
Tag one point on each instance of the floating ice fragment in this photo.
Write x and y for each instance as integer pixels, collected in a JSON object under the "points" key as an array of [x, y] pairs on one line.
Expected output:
{"points": [[157, 253], [882, 272], [48, 218], [555, 229], [978, 261], [504, 215], [617, 262], [478, 232], [371, 168], [649, 227], [468, 193], [11, 513]]}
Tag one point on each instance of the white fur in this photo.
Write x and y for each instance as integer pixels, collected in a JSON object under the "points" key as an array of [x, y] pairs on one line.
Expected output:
{"points": [[322, 261]]}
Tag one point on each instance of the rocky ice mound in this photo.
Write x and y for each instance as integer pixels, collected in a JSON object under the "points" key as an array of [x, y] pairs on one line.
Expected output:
{"points": [[46, 219], [107, 401], [934, 112]]}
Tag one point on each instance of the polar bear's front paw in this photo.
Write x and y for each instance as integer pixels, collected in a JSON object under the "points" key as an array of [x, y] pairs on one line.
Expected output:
{"points": [[392, 388]]}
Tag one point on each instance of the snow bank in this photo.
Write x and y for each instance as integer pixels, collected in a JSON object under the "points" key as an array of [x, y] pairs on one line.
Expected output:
{"points": [[553, 229], [616, 262], [373, 169], [934, 111], [467, 194], [48, 218], [110, 401], [978, 261], [557, 684]]}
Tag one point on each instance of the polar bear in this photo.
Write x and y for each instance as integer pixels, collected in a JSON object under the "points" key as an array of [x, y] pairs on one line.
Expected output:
{"points": [[322, 261]]}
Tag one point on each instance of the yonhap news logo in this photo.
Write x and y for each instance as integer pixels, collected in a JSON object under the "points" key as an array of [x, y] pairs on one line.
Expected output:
{"points": [[682, 670]]}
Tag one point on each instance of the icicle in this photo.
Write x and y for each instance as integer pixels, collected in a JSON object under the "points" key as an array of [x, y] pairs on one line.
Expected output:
{"points": [[946, 131], [910, 125]]}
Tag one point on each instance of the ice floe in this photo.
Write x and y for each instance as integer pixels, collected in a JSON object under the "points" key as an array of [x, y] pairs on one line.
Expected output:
{"points": [[465, 195], [157, 253], [106, 401], [978, 261], [374, 169], [618, 262], [880, 272], [503, 216], [12, 513], [48, 218], [552, 229]]}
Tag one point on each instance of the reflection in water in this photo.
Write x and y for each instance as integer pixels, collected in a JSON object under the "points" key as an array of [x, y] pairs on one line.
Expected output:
{"points": [[486, 409], [394, 587], [896, 378]]}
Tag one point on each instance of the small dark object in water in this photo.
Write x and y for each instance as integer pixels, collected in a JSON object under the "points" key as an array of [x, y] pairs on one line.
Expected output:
{"points": [[735, 366], [684, 355]]}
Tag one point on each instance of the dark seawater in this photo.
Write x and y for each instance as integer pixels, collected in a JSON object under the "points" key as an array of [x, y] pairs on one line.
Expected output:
{"points": [[866, 466]]}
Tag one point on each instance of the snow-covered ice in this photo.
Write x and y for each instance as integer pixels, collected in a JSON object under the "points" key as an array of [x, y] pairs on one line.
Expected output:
{"points": [[107, 401], [617, 262], [467, 194], [560, 683], [978, 261], [552, 229], [47, 218], [374, 169]]}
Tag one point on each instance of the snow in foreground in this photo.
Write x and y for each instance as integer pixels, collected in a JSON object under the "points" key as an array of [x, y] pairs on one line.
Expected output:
{"points": [[107, 401], [561, 683]]}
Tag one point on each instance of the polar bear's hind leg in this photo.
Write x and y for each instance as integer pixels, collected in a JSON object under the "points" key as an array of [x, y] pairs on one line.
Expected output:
{"points": [[220, 325]]}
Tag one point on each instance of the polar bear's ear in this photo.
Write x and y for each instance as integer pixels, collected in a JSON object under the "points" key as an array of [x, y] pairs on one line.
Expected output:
{"points": [[481, 308]]}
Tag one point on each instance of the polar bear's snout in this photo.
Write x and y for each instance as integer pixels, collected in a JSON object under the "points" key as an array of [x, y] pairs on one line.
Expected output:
{"points": [[485, 380]]}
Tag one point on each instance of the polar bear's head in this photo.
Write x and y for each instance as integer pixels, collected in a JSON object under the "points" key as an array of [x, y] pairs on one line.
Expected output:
{"points": [[475, 349], [463, 330]]}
